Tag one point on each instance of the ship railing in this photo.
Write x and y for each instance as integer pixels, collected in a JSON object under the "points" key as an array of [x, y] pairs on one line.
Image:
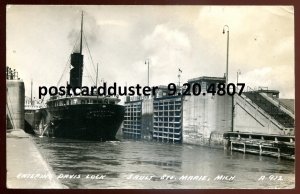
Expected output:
{"points": [[58, 98]]}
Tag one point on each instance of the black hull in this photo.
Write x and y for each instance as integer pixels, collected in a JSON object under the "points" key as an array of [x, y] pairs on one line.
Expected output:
{"points": [[98, 122]]}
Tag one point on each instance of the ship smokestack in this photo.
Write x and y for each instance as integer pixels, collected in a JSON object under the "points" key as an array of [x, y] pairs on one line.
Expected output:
{"points": [[77, 63]]}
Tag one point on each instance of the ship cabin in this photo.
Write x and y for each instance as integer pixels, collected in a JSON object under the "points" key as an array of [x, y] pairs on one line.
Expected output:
{"points": [[56, 101]]}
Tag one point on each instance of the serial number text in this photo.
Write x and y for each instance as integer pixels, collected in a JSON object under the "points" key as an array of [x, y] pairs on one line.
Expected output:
{"points": [[196, 89]]}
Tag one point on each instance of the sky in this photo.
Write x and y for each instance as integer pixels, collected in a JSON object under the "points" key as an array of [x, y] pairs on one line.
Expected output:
{"points": [[40, 39]]}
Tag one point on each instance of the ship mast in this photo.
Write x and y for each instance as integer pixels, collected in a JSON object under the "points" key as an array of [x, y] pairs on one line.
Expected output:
{"points": [[81, 32]]}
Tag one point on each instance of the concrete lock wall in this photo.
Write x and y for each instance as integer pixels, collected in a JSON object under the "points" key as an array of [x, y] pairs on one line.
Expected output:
{"points": [[15, 99], [206, 118]]}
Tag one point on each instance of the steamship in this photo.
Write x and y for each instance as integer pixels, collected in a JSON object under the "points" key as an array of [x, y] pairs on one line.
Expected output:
{"points": [[80, 117]]}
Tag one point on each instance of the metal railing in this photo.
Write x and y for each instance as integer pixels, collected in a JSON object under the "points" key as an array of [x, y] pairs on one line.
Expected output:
{"points": [[260, 110]]}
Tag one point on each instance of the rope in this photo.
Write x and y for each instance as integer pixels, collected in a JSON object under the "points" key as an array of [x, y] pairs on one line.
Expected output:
{"points": [[63, 72], [89, 52], [68, 62], [91, 59], [89, 75], [86, 69]]}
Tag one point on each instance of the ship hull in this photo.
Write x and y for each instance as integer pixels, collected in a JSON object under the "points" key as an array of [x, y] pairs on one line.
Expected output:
{"points": [[98, 122]]}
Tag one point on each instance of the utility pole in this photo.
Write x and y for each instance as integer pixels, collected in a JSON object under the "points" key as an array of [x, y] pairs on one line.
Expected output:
{"points": [[179, 75], [227, 51], [147, 62], [31, 93], [226, 82], [237, 76]]}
